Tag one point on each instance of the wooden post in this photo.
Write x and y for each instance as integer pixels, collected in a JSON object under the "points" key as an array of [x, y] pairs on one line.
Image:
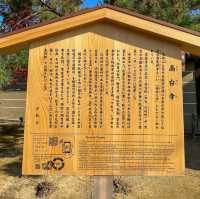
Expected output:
{"points": [[103, 187]]}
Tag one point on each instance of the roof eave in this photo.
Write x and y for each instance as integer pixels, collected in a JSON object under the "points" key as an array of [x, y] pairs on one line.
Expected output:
{"points": [[186, 39]]}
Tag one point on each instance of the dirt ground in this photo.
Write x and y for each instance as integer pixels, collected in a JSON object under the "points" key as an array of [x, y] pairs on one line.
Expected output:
{"points": [[15, 186]]}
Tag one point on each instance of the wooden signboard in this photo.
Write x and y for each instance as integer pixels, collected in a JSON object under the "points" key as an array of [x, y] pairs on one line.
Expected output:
{"points": [[104, 100]]}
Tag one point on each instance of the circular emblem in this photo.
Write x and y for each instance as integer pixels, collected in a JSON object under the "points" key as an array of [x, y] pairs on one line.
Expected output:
{"points": [[58, 163]]}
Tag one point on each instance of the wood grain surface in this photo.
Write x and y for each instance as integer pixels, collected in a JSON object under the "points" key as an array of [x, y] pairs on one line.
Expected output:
{"points": [[104, 100]]}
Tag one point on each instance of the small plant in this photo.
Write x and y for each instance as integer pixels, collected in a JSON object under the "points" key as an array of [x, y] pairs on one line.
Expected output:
{"points": [[44, 189], [121, 187]]}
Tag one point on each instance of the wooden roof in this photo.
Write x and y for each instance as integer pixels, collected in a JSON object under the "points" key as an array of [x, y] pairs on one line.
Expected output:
{"points": [[188, 40]]}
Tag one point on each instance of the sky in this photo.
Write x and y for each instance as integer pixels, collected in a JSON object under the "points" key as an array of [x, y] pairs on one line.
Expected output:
{"points": [[1, 19], [90, 3]]}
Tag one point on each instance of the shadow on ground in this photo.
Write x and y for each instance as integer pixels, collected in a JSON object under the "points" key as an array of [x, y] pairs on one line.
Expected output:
{"points": [[11, 141], [11, 144], [192, 153], [13, 168]]}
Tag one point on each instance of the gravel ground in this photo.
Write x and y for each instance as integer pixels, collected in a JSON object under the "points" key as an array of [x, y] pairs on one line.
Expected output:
{"points": [[15, 186]]}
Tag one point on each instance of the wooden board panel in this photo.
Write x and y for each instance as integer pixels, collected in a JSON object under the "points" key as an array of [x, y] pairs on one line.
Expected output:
{"points": [[103, 100]]}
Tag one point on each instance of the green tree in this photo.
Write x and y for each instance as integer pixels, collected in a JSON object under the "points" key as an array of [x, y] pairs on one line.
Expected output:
{"points": [[19, 14], [178, 12], [9, 63]]}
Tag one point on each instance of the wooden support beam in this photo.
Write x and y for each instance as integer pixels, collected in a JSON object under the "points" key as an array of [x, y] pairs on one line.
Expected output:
{"points": [[103, 187]]}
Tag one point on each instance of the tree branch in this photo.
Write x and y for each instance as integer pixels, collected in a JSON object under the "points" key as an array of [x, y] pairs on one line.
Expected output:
{"points": [[26, 18], [50, 8]]}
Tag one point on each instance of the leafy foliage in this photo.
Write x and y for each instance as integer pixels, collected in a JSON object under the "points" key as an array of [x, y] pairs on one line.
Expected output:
{"points": [[18, 14], [4, 74], [9, 63], [173, 11]]}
